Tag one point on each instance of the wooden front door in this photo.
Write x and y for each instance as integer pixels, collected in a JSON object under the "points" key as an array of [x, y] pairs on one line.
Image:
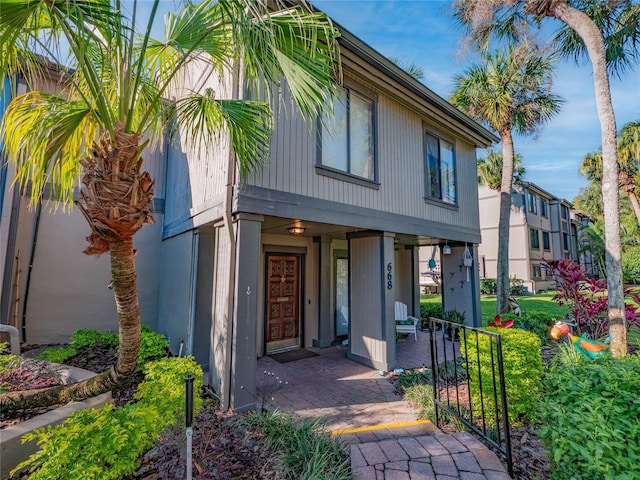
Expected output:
{"points": [[283, 302]]}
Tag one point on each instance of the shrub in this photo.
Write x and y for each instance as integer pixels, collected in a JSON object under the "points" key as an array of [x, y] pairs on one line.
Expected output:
{"points": [[58, 354], [516, 287], [522, 373], [538, 323], [488, 286], [429, 310], [107, 443], [631, 265], [152, 345], [590, 414], [9, 362], [307, 450]]}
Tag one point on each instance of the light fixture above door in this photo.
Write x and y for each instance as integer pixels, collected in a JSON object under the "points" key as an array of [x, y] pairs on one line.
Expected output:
{"points": [[296, 230]]}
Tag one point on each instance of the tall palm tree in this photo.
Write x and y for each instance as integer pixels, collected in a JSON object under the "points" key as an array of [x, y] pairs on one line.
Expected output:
{"points": [[114, 104], [610, 39], [628, 164], [510, 92], [490, 170]]}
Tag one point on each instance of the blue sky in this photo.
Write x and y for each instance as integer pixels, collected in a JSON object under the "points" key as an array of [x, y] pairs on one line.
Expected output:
{"points": [[421, 32]]}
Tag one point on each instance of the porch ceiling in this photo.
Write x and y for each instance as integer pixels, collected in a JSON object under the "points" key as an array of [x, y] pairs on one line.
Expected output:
{"points": [[280, 226]]}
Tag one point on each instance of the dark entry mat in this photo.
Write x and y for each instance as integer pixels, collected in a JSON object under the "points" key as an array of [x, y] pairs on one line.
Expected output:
{"points": [[293, 355]]}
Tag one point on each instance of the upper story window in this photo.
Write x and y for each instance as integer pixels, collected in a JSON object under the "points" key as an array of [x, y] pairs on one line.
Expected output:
{"points": [[565, 212], [347, 138], [534, 238], [440, 168], [546, 242], [532, 204], [543, 208]]}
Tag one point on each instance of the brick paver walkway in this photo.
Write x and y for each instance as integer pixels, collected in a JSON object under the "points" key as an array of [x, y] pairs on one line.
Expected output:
{"points": [[386, 441]]}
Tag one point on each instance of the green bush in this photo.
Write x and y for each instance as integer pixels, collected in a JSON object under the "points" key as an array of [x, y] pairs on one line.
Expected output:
{"points": [[591, 419], [488, 286], [537, 322], [429, 310], [307, 450], [9, 362], [152, 345], [516, 287], [57, 354], [522, 373], [631, 265], [107, 443]]}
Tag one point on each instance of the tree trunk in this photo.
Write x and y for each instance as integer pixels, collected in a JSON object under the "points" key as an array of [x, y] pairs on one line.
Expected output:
{"points": [[506, 185], [628, 186], [635, 204], [588, 31]]}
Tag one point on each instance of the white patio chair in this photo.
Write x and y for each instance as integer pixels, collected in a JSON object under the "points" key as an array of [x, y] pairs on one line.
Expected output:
{"points": [[405, 324]]}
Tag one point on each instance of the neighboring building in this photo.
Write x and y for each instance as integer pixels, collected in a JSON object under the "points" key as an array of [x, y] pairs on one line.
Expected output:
{"points": [[542, 227], [313, 249]]}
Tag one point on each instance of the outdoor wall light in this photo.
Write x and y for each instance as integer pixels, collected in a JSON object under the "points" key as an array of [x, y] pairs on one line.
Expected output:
{"points": [[296, 230], [446, 250]]}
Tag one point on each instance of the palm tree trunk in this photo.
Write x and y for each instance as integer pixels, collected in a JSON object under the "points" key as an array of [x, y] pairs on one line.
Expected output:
{"points": [[506, 185], [635, 203], [125, 290], [588, 31]]}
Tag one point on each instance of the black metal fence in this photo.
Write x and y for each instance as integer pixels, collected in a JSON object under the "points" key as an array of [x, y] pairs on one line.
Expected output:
{"points": [[468, 382]]}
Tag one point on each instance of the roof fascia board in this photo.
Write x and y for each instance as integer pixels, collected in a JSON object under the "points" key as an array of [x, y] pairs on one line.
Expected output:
{"points": [[351, 43]]}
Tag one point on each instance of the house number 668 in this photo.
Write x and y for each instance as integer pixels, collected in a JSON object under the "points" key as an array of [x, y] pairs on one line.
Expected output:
{"points": [[389, 276]]}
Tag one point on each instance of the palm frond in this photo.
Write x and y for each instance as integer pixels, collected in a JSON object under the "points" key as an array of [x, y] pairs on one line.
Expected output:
{"points": [[203, 119], [45, 136]]}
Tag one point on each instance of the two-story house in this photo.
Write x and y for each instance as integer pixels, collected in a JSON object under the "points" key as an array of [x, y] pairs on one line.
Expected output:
{"points": [[312, 249], [542, 227]]}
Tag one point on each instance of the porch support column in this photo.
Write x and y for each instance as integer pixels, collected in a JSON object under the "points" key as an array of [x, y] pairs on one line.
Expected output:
{"points": [[459, 291], [244, 337], [324, 294], [415, 281], [372, 340]]}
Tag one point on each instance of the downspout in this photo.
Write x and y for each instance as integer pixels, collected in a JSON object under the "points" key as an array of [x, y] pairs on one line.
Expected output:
{"points": [[228, 223], [30, 270]]}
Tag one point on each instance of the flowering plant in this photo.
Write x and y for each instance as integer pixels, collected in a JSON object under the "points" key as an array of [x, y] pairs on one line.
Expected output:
{"points": [[497, 322], [587, 298]]}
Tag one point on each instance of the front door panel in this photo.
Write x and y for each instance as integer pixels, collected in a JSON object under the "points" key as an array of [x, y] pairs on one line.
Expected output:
{"points": [[283, 302]]}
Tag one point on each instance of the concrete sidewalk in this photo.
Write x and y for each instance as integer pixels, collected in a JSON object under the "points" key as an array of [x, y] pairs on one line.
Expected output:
{"points": [[386, 440]]}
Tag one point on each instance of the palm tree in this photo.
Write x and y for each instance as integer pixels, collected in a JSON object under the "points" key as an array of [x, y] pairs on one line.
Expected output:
{"points": [[610, 40], [490, 170], [114, 104], [509, 91], [628, 164]]}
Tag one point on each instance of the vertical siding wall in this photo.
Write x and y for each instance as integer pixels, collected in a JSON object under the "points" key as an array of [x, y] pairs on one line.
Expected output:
{"points": [[196, 173], [400, 134]]}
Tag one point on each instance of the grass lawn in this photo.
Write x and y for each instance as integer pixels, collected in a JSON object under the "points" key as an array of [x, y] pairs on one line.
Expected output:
{"points": [[540, 303]]}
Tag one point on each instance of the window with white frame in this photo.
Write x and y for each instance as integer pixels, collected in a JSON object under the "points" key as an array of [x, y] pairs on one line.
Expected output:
{"points": [[546, 241], [440, 169], [347, 135]]}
